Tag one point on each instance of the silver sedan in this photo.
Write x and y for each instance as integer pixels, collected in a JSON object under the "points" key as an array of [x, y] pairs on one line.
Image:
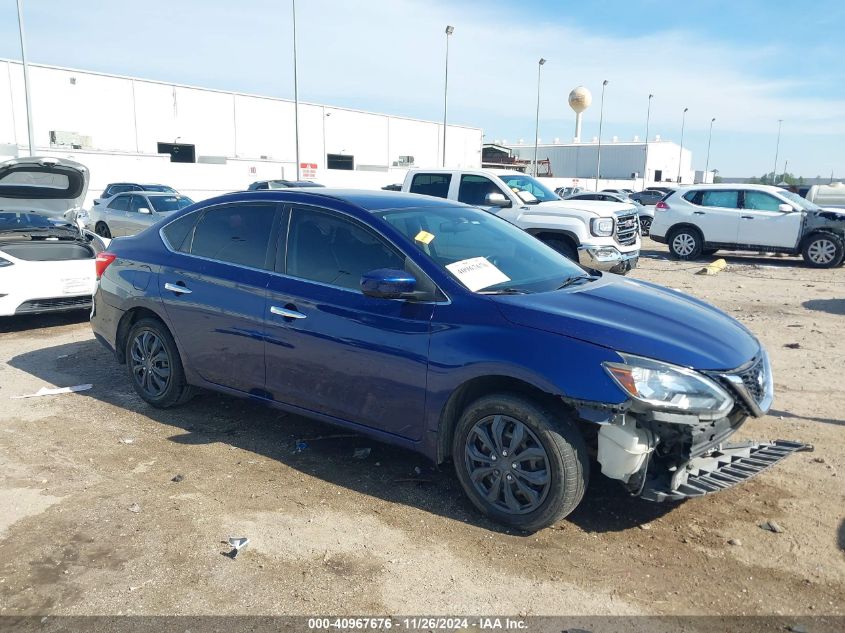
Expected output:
{"points": [[130, 213]]}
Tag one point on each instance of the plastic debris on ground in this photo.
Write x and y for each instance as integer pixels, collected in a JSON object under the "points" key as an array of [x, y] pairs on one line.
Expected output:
{"points": [[238, 543], [178, 478], [713, 269], [134, 508], [771, 526], [47, 391]]}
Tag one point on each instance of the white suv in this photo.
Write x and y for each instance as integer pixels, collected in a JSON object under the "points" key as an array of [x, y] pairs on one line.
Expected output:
{"points": [[702, 219]]}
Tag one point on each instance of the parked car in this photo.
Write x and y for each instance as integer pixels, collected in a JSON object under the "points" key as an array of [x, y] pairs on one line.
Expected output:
{"points": [[263, 185], [394, 187], [598, 235], [566, 192], [646, 213], [440, 328], [701, 219], [130, 213], [624, 192], [648, 197], [115, 188], [46, 264]]}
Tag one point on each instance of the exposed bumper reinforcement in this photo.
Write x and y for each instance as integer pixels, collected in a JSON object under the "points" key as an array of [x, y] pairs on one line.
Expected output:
{"points": [[724, 468]]}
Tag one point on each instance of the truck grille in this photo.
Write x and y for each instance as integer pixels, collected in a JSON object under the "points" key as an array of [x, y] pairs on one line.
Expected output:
{"points": [[54, 305], [627, 227]]}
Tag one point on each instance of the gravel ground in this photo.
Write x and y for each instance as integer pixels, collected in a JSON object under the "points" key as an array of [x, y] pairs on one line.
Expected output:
{"points": [[92, 521]]}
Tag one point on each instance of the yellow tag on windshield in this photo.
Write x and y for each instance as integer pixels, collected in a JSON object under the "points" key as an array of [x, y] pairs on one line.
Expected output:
{"points": [[424, 237]]}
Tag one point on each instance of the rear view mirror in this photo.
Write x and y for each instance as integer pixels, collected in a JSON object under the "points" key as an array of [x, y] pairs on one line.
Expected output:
{"points": [[387, 283], [785, 208], [497, 200], [144, 210]]}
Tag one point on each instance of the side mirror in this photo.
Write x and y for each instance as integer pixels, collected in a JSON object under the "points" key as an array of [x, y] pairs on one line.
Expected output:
{"points": [[497, 200], [144, 210], [785, 208], [387, 283]]}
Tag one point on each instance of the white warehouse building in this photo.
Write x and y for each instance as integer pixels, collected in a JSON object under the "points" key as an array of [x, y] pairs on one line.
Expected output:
{"points": [[622, 163], [204, 142]]}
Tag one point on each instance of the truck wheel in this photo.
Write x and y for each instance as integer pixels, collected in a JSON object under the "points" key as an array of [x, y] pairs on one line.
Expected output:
{"points": [[564, 247], [685, 243], [645, 225], [154, 365], [102, 230], [519, 463], [823, 250]]}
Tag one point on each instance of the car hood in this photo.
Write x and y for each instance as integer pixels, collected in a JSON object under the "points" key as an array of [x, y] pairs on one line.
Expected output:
{"points": [[47, 185], [599, 208], [638, 318]]}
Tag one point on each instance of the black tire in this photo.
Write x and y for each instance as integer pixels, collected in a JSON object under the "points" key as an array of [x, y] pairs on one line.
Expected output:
{"points": [[685, 243], [148, 340], [645, 225], [823, 250], [556, 481], [562, 246], [102, 229]]}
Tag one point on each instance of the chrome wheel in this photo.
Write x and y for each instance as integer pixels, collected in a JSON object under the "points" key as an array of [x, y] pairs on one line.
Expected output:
{"points": [[645, 225], [150, 363], [683, 244], [507, 464], [821, 251]]}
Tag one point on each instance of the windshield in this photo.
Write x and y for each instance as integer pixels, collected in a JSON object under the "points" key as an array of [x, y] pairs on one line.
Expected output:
{"points": [[168, 204], [521, 182], [159, 188], [482, 251], [803, 203]]}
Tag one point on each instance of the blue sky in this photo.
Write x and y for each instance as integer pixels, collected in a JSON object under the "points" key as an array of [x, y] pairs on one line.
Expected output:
{"points": [[748, 63]]}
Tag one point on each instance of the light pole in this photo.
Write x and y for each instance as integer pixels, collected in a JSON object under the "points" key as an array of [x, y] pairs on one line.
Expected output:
{"points": [[449, 31], [647, 120], [601, 121], [777, 148], [537, 122], [296, 94], [709, 138], [26, 81], [681, 150]]}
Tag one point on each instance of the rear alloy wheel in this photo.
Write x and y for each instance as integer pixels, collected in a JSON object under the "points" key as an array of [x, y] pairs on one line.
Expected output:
{"points": [[154, 365], [823, 250], [645, 225], [102, 229], [518, 462], [685, 243]]}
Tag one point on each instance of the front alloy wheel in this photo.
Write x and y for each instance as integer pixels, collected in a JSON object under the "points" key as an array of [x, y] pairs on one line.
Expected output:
{"points": [[823, 251], [150, 363], [685, 244]]}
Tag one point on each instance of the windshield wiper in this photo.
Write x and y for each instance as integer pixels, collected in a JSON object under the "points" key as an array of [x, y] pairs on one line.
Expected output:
{"points": [[575, 279], [504, 291]]}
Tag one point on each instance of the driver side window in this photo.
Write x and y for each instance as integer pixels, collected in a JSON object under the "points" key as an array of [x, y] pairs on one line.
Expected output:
{"points": [[760, 201], [474, 190]]}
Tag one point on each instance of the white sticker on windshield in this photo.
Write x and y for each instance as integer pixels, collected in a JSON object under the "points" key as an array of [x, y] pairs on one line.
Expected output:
{"points": [[477, 273]]}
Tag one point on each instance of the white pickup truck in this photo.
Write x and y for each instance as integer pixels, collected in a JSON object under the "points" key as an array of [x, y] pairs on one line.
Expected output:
{"points": [[600, 235]]}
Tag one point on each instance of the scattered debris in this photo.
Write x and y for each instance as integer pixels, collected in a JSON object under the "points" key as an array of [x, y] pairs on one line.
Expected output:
{"points": [[713, 269], [735, 541], [178, 478], [819, 460], [300, 446], [46, 391], [334, 436], [237, 543], [127, 440], [361, 453], [146, 582], [134, 508], [797, 628], [793, 345], [771, 526], [644, 526]]}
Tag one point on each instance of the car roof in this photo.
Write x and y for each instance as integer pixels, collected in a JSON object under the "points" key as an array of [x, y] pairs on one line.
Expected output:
{"points": [[732, 186], [369, 200]]}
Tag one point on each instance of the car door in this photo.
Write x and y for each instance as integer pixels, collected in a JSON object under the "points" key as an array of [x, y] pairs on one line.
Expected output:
{"points": [[715, 212], [135, 220], [115, 214], [330, 348], [214, 287], [473, 189], [762, 223]]}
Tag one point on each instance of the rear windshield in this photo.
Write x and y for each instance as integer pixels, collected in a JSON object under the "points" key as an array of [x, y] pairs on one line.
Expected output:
{"points": [[43, 182], [23, 220], [168, 204]]}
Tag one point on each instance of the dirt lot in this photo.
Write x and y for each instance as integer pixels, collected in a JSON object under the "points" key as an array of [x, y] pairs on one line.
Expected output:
{"points": [[92, 523]]}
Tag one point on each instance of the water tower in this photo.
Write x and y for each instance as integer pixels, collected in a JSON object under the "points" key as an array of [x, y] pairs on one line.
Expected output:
{"points": [[579, 100]]}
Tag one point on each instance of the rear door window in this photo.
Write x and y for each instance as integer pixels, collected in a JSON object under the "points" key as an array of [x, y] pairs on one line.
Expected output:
{"points": [[431, 184], [121, 203], [726, 199], [474, 189], [236, 234], [138, 202]]}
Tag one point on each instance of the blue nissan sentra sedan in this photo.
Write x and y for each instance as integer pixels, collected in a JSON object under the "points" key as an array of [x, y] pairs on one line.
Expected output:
{"points": [[441, 328]]}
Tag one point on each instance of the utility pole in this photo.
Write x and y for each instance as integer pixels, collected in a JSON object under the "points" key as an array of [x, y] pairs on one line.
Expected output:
{"points": [[449, 31], [537, 122], [27, 96], [647, 120], [601, 121], [709, 138], [296, 94], [777, 149], [681, 149]]}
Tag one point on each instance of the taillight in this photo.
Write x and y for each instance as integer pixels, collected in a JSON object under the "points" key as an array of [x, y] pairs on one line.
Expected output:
{"points": [[102, 262], [662, 206]]}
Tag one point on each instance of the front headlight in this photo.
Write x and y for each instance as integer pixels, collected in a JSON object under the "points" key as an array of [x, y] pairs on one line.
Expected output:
{"points": [[601, 227], [669, 387]]}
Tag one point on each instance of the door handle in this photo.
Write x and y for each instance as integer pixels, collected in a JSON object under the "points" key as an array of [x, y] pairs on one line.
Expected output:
{"points": [[698, 213], [748, 217], [179, 290], [284, 312]]}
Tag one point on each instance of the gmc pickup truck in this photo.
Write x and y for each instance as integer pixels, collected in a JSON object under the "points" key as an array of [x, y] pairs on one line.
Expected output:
{"points": [[600, 235]]}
